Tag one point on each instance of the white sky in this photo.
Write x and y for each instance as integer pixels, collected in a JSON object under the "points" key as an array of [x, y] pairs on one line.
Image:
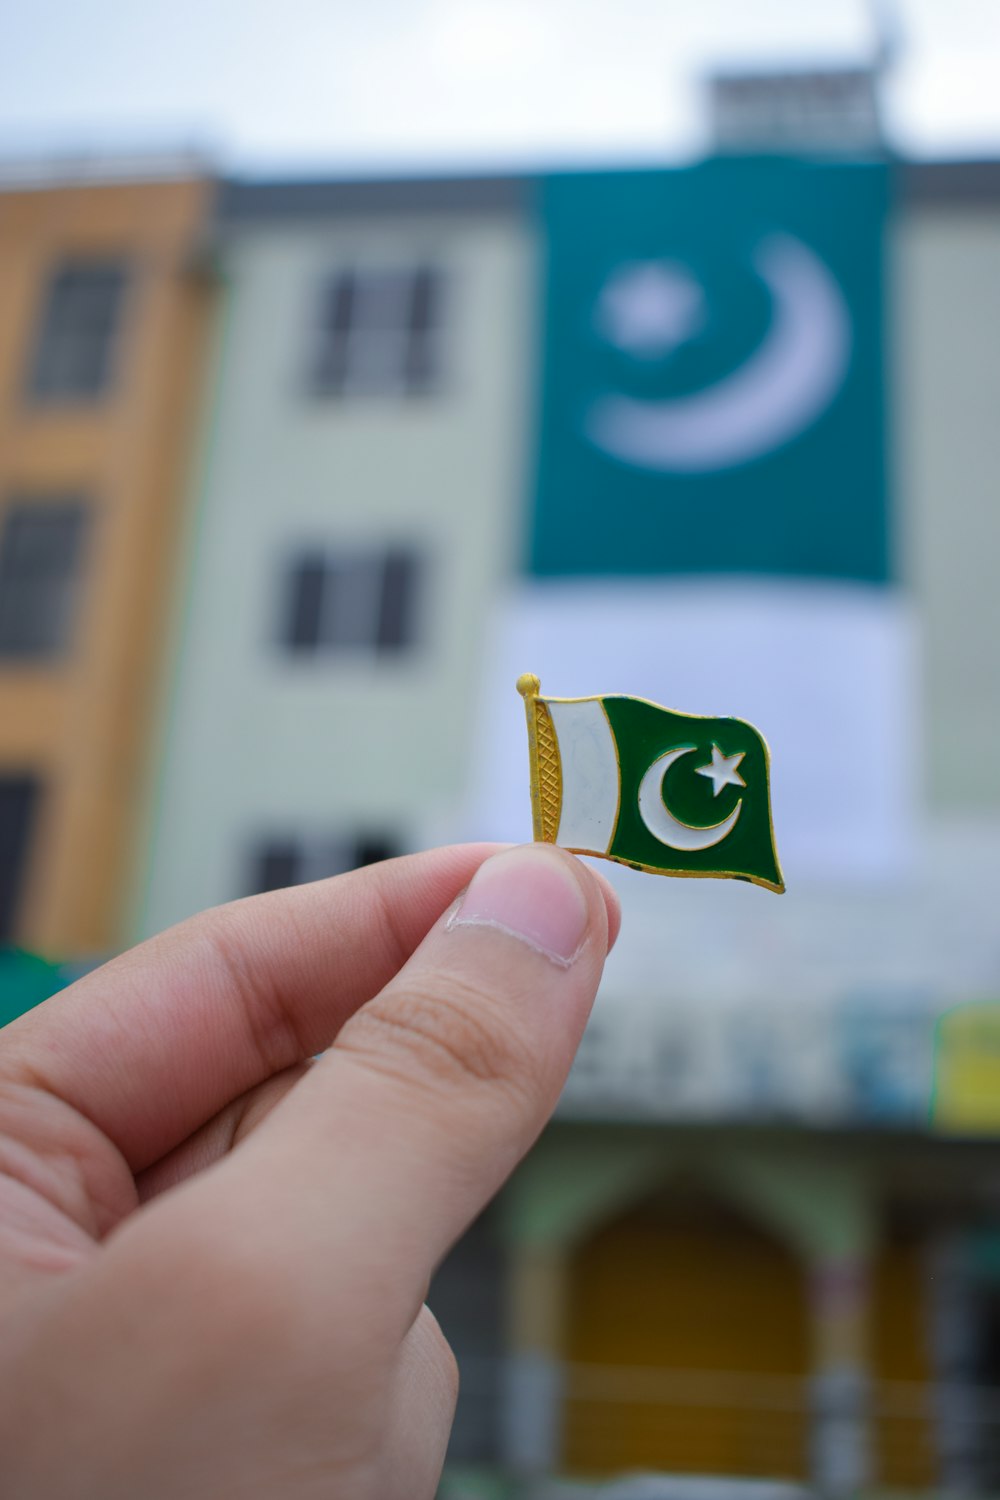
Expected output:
{"points": [[342, 84]]}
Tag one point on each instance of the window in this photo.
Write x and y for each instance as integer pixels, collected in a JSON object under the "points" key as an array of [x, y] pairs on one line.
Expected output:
{"points": [[76, 337], [379, 333], [41, 543], [18, 801], [349, 602], [289, 861]]}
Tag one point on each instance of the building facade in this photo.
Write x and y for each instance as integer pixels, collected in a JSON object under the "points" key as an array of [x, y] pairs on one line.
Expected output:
{"points": [[365, 449], [103, 312]]}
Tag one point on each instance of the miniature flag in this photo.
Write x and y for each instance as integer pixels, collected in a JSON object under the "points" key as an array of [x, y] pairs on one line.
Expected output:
{"points": [[671, 793]]}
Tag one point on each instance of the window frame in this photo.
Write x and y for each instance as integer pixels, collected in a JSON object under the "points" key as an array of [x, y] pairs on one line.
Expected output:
{"points": [[55, 645], [415, 369], [46, 339], [394, 626], [314, 856], [15, 863]]}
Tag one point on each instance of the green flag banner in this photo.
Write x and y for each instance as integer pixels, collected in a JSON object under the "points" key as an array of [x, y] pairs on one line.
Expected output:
{"points": [[712, 388], [671, 793], [25, 981]]}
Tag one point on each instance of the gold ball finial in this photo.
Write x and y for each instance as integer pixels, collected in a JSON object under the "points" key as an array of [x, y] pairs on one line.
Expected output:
{"points": [[528, 685]]}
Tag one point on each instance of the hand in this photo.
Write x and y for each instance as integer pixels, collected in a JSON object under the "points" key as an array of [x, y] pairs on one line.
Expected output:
{"points": [[214, 1253]]}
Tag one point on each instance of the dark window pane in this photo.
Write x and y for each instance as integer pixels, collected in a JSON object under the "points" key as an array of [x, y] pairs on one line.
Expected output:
{"points": [[341, 298], [377, 350], [18, 802], [304, 618], [323, 857], [424, 304], [41, 547], [369, 850], [385, 297], [290, 860], [275, 866], [337, 312], [422, 345], [74, 346], [397, 617], [353, 601]]}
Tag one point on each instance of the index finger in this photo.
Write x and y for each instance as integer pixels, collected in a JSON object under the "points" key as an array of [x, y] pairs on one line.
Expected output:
{"points": [[373, 1165], [156, 1042]]}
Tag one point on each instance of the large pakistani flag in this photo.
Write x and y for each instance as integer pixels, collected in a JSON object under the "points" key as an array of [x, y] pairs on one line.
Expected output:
{"points": [[671, 793], [711, 393], [710, 521]]}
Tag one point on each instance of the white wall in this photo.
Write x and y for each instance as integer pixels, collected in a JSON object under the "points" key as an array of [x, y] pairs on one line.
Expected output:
{"points": [[261, 742], [947, 376], [824, 670]]}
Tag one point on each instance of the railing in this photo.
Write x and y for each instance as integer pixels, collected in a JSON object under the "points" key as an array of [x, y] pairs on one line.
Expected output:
{"points": [[684, 1420], [921, 1439]]}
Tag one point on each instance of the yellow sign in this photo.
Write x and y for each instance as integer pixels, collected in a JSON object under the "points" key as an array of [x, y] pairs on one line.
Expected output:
{"points": [[966, 1096]]}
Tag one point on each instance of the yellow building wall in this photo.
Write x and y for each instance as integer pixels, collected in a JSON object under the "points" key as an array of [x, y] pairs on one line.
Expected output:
{"points": [[688, 1345], [903, 1438], [82, 723]]}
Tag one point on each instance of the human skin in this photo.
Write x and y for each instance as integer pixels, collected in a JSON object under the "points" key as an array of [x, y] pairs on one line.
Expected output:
{"points": [[214, 1253]]}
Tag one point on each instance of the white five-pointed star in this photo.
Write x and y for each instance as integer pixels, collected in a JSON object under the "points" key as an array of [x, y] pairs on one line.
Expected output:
{"points": [[723, 770], [649, 307]]}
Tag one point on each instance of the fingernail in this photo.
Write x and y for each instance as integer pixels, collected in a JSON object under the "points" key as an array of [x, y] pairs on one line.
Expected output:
{"points": [[530, 893]]}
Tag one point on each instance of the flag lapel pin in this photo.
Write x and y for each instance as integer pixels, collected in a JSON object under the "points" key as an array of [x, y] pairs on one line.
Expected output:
{"points": [[666, 792]]}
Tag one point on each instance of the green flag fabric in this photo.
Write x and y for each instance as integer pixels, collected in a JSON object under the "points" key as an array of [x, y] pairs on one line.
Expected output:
{"points": [[666, 792], [711, 399]]}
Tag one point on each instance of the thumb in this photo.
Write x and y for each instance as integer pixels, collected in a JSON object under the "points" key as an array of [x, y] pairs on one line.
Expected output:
{"points": [[402, 1132]]}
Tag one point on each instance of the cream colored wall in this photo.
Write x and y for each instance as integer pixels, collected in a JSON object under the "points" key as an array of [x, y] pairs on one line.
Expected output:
{"points": [[82, 723], [946, 261], [260, 742]]}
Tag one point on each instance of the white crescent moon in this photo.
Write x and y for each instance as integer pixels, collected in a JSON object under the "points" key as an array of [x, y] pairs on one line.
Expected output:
{"points": [[772, 397], [660, 820]]}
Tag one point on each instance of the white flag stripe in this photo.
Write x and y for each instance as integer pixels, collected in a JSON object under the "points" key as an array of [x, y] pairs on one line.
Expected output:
{"points": [[590, 782]]}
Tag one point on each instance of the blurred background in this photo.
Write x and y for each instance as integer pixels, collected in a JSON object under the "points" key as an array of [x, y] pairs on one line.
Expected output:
{"points": [[354, 361]]}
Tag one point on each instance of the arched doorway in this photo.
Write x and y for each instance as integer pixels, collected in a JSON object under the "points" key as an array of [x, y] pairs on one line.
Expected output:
{"points": [[687, 1344]]}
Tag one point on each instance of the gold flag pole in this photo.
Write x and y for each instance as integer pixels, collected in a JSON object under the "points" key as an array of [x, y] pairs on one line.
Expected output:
{"points": [[529, 687], [546, 767]]}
